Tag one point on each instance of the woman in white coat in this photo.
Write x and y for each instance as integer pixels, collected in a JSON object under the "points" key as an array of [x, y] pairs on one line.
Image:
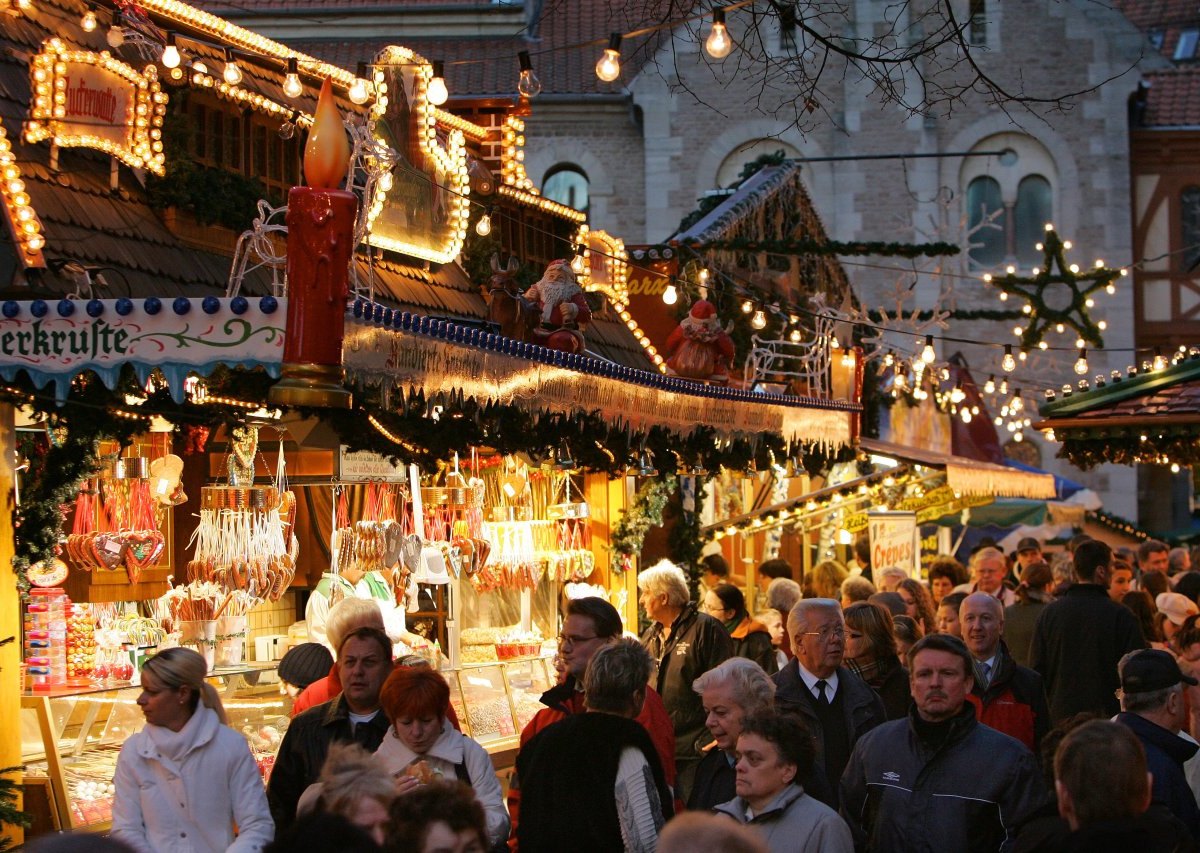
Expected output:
{"points": [[423, 746], [186, 779]]}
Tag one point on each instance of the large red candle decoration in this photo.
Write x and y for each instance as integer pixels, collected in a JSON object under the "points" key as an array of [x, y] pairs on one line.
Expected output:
{"points": [[320, 243]]}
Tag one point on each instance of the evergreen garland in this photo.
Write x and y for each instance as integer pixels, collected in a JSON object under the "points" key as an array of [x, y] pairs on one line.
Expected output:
{"points": [[10, 815], [645, 512], [685, 543]]}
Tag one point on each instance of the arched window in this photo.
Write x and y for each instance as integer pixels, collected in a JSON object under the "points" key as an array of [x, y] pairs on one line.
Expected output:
{"points": [[730, 172], [567, 184], [985, 222], [1032, 212], [1018, 187], [1189, 226]]}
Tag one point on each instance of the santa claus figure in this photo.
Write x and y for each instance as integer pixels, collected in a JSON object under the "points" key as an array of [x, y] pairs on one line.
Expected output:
{"points": [[699, 348], [564, 311]]}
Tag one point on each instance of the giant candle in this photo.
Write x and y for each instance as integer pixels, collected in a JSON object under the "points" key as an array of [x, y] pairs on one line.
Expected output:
{"points": [[320, 244]]}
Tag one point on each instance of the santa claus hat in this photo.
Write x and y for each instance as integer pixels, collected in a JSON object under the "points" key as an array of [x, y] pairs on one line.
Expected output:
{"points": [[702, 309]]}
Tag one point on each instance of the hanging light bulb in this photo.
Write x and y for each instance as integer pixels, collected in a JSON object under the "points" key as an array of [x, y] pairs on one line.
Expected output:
{"points": [[437, 93], [928, 354], [1003, 389], [608, 68], [795, 336], [1160, 363], [966, 415], [577, 262], [232, 73], [484, 226], [360, 89], [1016, 404], [170, 55], [759, 320], [528, 84], [718, 44], [747, 307], [115, 36], [292, 87], [88, 22], [1008, 362], [670, 295], [1081, 363], [958, 394], [989, 387]]}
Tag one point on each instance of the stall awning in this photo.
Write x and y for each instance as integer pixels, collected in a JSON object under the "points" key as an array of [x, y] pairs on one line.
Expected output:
{"points": [[969, 476]]}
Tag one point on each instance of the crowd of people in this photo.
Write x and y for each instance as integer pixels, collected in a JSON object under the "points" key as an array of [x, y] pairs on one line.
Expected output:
{"points": [[1014, 704]]}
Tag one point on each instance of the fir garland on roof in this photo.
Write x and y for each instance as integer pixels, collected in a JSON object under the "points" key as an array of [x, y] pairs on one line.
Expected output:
{"points": [[826, 247]]}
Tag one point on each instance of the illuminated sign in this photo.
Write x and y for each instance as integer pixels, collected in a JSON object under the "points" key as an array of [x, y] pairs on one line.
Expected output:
{"points": [[83, 99], [421, 208]]}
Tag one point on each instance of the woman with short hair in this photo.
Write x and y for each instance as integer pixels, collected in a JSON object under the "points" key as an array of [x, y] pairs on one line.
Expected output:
{"points": [[354, 784], [422, 746], [774, 752], [729, 692], [871, 655], [437, 817], [186, 780]]}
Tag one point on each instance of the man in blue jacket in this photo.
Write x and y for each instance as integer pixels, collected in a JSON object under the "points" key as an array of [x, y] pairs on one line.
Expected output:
{"points": [[939, 780], [1153, 707]]}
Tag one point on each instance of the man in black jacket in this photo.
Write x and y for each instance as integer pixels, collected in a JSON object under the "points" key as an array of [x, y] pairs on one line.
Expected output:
{"points": [[364, 662], [1080, 638], [837, 706], [939, 780], [1154, 708], [685, 644]]}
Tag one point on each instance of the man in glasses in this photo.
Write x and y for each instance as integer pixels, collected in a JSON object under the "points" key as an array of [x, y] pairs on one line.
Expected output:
{"points": [[590, 625], [837, 706]]}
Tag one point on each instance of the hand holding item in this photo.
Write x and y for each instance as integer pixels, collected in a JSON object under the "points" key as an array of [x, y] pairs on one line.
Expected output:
{"points": [[406, 784]]}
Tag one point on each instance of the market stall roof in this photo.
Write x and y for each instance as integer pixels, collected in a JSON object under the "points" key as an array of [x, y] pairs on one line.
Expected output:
{"points": [[969, 476], [1153, 417]]}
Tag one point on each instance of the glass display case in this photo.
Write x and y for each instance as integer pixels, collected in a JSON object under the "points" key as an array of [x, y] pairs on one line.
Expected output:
{"points": [[494, 702], [70, 738]]}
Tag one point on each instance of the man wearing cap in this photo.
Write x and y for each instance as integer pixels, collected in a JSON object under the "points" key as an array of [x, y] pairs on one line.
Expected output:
{"points": [[1080, 638], [1029, 551], [1153, 707]]}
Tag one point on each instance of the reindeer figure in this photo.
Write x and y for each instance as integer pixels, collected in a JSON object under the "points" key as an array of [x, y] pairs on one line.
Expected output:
{"points": [[516, 316]]}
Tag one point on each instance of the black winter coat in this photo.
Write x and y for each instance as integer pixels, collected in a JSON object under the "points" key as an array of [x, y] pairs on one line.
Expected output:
{"points": [[1165, 755], [303, 751], [966, 796], [697, 643], [1077, 643]]}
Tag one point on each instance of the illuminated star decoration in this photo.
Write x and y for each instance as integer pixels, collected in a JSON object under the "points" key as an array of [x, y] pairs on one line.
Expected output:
{"points": [[1058, 296]]}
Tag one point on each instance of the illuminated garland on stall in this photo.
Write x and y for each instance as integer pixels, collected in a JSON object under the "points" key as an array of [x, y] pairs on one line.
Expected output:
{"points": [[645, 512]]}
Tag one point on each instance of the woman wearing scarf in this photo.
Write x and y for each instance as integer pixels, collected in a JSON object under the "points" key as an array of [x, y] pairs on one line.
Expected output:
{"points": [[185, 780], [871, 655]]}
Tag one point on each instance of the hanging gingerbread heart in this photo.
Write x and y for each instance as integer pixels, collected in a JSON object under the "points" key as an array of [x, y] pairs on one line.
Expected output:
{"points": [[106, 550], [143, 548]]}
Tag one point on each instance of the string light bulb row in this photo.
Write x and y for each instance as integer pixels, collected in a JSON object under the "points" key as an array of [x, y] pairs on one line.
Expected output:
{"points": [[22, 218]]}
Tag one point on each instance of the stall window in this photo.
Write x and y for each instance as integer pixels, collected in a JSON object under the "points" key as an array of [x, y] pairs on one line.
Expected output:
{"points": [[567, 184], [275, 161], [217, 135]]}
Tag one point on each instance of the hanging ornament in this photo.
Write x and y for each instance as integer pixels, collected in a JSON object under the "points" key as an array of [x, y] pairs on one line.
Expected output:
{"points": [[1058, 294]]}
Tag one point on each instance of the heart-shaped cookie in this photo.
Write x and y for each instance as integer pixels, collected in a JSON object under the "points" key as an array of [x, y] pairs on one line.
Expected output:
{"points": [[143, 548], [106, 550]]}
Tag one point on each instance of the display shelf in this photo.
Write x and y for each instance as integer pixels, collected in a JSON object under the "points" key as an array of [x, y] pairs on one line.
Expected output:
{"points": [[71, 738]]}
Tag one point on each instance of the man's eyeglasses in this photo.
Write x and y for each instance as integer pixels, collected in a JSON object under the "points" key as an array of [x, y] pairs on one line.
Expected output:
{"points": [[572, 639], [827, 633]]}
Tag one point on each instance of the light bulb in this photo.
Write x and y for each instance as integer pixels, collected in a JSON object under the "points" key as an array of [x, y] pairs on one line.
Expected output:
{"points": [[670, 295], [292, 87], [232, 73], [1081, 363], [989, 387], [358, 91], [966, 416], [528, 84], [747, 307], [927, 354], [1003, 389], [1008, 362], [795, 336], [1160, 363], [759, 320], [608, 68], [958, 394], [484, 226], [89, 20], [170, 54], [577, 264], [115, 36], [718, 43], [1016, 404], [436, 93]]}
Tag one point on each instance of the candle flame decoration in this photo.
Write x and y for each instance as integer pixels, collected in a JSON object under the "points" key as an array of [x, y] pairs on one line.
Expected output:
{"points": [[327, 153]]}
